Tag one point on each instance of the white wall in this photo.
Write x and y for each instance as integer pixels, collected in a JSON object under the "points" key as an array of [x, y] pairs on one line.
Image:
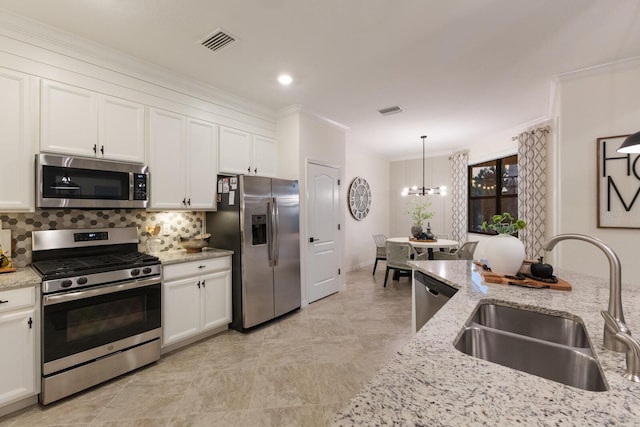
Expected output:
{"points": [[407, 173], [594, 103], [359, 248], [289, 146], [314, 139]]}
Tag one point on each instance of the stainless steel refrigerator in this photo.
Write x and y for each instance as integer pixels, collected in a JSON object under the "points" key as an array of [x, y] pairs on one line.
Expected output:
{"points": [[258, 219]]}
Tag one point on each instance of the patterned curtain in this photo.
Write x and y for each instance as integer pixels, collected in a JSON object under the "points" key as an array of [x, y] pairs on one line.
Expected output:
{"points": [[459, 197], [532, 173]]}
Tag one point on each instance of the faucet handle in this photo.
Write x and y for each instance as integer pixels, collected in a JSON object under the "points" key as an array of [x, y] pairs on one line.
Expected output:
{"points": [[633, 347]]}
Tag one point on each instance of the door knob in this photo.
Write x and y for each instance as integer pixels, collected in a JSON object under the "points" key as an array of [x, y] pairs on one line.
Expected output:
{"points": [[312, 239]]}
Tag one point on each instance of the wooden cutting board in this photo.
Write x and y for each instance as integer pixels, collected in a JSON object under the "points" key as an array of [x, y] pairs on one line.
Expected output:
{"points": [[490, 277], [418, 240]]}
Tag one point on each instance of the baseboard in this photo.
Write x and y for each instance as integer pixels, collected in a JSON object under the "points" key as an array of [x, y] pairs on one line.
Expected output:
{"points": [[175, 346], [20, 404], [363, 265]]}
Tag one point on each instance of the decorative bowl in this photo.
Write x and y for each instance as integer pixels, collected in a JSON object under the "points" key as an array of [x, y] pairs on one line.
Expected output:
{"points": [[194, 244]]}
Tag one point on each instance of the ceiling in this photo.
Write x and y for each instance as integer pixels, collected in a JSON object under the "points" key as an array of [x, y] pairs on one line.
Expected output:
{"points": [[460, 69]]}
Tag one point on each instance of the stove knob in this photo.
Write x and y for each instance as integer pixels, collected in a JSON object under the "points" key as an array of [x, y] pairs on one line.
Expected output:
{"points": [[66, 283], [82, 281], [135, 272], [146, 270]]}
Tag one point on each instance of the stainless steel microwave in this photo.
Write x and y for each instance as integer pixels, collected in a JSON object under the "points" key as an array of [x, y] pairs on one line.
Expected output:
{"points": [[74, 182]]}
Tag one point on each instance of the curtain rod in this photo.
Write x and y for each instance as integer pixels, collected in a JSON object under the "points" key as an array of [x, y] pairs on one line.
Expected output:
{"points": [[544, 129]]}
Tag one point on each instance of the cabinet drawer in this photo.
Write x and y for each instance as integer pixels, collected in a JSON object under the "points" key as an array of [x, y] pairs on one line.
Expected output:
{"points": [[17, 298], [196, 268]]}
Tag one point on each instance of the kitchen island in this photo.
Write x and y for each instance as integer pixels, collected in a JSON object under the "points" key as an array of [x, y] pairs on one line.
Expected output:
{"points": [[431, 383]]}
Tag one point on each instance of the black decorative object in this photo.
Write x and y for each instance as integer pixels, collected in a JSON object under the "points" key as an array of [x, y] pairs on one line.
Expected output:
{"points": [[430, 235]]}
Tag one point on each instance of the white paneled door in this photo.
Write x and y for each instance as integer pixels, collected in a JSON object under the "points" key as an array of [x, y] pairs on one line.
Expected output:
{"points": [[323, 219]]}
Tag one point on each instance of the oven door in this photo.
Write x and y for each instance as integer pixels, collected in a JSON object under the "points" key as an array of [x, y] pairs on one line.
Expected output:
{"points": [[81, 326]]}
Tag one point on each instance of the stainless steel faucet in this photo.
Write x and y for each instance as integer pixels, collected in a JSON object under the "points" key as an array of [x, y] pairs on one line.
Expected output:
{"points": [[611, 342], [632, 347]]}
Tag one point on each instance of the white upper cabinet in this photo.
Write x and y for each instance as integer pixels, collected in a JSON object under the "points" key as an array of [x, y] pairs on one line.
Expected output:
{"points": [[166, 160], [182, 162], [243, 153], [121, 129], [18, 106], [68, 120], [264, 156], [235, 151], [80, 122], [202, 164]]}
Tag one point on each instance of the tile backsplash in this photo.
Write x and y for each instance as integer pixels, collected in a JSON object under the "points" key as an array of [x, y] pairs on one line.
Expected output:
{"points": [[185, 224]]}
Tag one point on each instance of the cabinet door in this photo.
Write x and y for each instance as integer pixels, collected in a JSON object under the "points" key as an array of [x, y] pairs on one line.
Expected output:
{"points": [[121, 130], [202, 164], [166, 160], [16, 137], [234, 151], [216, 299], [264, 156], [69, 119], [180, 310], [17, 356]]}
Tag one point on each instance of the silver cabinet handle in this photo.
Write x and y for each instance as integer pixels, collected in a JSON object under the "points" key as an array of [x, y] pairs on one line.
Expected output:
{"points": [[100, 290]]}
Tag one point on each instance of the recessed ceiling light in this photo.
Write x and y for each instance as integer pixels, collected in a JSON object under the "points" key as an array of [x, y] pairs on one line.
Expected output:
{"points": [[285, 79]]}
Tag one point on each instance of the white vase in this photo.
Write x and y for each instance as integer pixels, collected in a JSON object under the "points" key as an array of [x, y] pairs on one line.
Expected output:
{"points": [[505, 254]]}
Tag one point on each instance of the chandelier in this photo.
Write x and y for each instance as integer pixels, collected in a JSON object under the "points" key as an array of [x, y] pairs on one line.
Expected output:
{"points": [[424, 191]]}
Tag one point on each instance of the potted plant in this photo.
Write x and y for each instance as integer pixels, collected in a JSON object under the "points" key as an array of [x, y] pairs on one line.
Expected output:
{"points": [[504, 252], [419, 213]]}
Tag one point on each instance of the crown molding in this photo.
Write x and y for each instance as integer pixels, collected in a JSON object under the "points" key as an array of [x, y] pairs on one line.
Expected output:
{"points": [[612, 66], [64, 43], [300, 109]]}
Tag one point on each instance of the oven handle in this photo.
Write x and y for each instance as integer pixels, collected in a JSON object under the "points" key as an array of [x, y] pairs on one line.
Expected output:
{"points": [[94, 292]]}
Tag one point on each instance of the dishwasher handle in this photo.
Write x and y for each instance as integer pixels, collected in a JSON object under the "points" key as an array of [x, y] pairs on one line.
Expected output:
{"points": [[434, 286]]}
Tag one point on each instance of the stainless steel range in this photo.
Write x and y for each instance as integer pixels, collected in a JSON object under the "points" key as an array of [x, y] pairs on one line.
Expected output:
{"points": [[100, 307]]}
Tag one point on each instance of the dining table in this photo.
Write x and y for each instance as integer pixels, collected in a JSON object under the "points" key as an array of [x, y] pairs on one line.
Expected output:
{"points": [[429, 245]]}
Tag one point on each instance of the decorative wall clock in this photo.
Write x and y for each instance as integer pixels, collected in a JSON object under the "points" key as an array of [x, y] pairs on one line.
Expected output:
{"points": [[359, 198]]}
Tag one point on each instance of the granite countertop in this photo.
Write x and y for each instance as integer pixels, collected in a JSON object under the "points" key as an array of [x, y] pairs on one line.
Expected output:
{"points": [[431, 383], [175, 257], [25, 277], [22, 278]]}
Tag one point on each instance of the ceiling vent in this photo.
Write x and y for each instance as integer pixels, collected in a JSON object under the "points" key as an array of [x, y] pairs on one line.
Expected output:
{"points": [[217, 40], [391, 110]]}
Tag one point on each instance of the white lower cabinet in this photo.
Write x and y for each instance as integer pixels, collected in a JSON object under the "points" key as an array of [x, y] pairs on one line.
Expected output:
{"points": [[18, 332], [196, 298]]}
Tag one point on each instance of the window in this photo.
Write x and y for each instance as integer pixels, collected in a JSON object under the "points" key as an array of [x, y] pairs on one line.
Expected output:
{"points": [[493, 189]]}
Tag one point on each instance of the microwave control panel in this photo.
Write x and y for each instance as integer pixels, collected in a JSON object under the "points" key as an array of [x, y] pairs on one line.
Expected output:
{"points": [[139, 186]]}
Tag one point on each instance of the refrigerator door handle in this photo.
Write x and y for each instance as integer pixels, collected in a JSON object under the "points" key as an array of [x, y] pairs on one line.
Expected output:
{"points": [[276, 232], [270, 233]]}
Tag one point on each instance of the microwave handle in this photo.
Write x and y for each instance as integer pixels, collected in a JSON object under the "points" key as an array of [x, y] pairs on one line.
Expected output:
{"points": [[131, 186]]}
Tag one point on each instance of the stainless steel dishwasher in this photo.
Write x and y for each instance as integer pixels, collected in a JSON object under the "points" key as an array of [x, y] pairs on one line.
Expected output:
{"points": [[430, 295]]}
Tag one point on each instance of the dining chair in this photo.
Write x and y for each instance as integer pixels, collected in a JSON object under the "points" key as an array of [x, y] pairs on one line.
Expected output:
{"points": [[464, 252], [381, 249], [398, 254]]}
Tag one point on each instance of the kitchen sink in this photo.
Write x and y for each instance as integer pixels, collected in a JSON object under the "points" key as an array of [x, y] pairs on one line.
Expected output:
{"points": [[552, 347], [534, 324]]}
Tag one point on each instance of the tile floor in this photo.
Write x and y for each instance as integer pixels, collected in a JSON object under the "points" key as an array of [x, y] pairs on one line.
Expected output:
{"points": [[297, 371]]}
